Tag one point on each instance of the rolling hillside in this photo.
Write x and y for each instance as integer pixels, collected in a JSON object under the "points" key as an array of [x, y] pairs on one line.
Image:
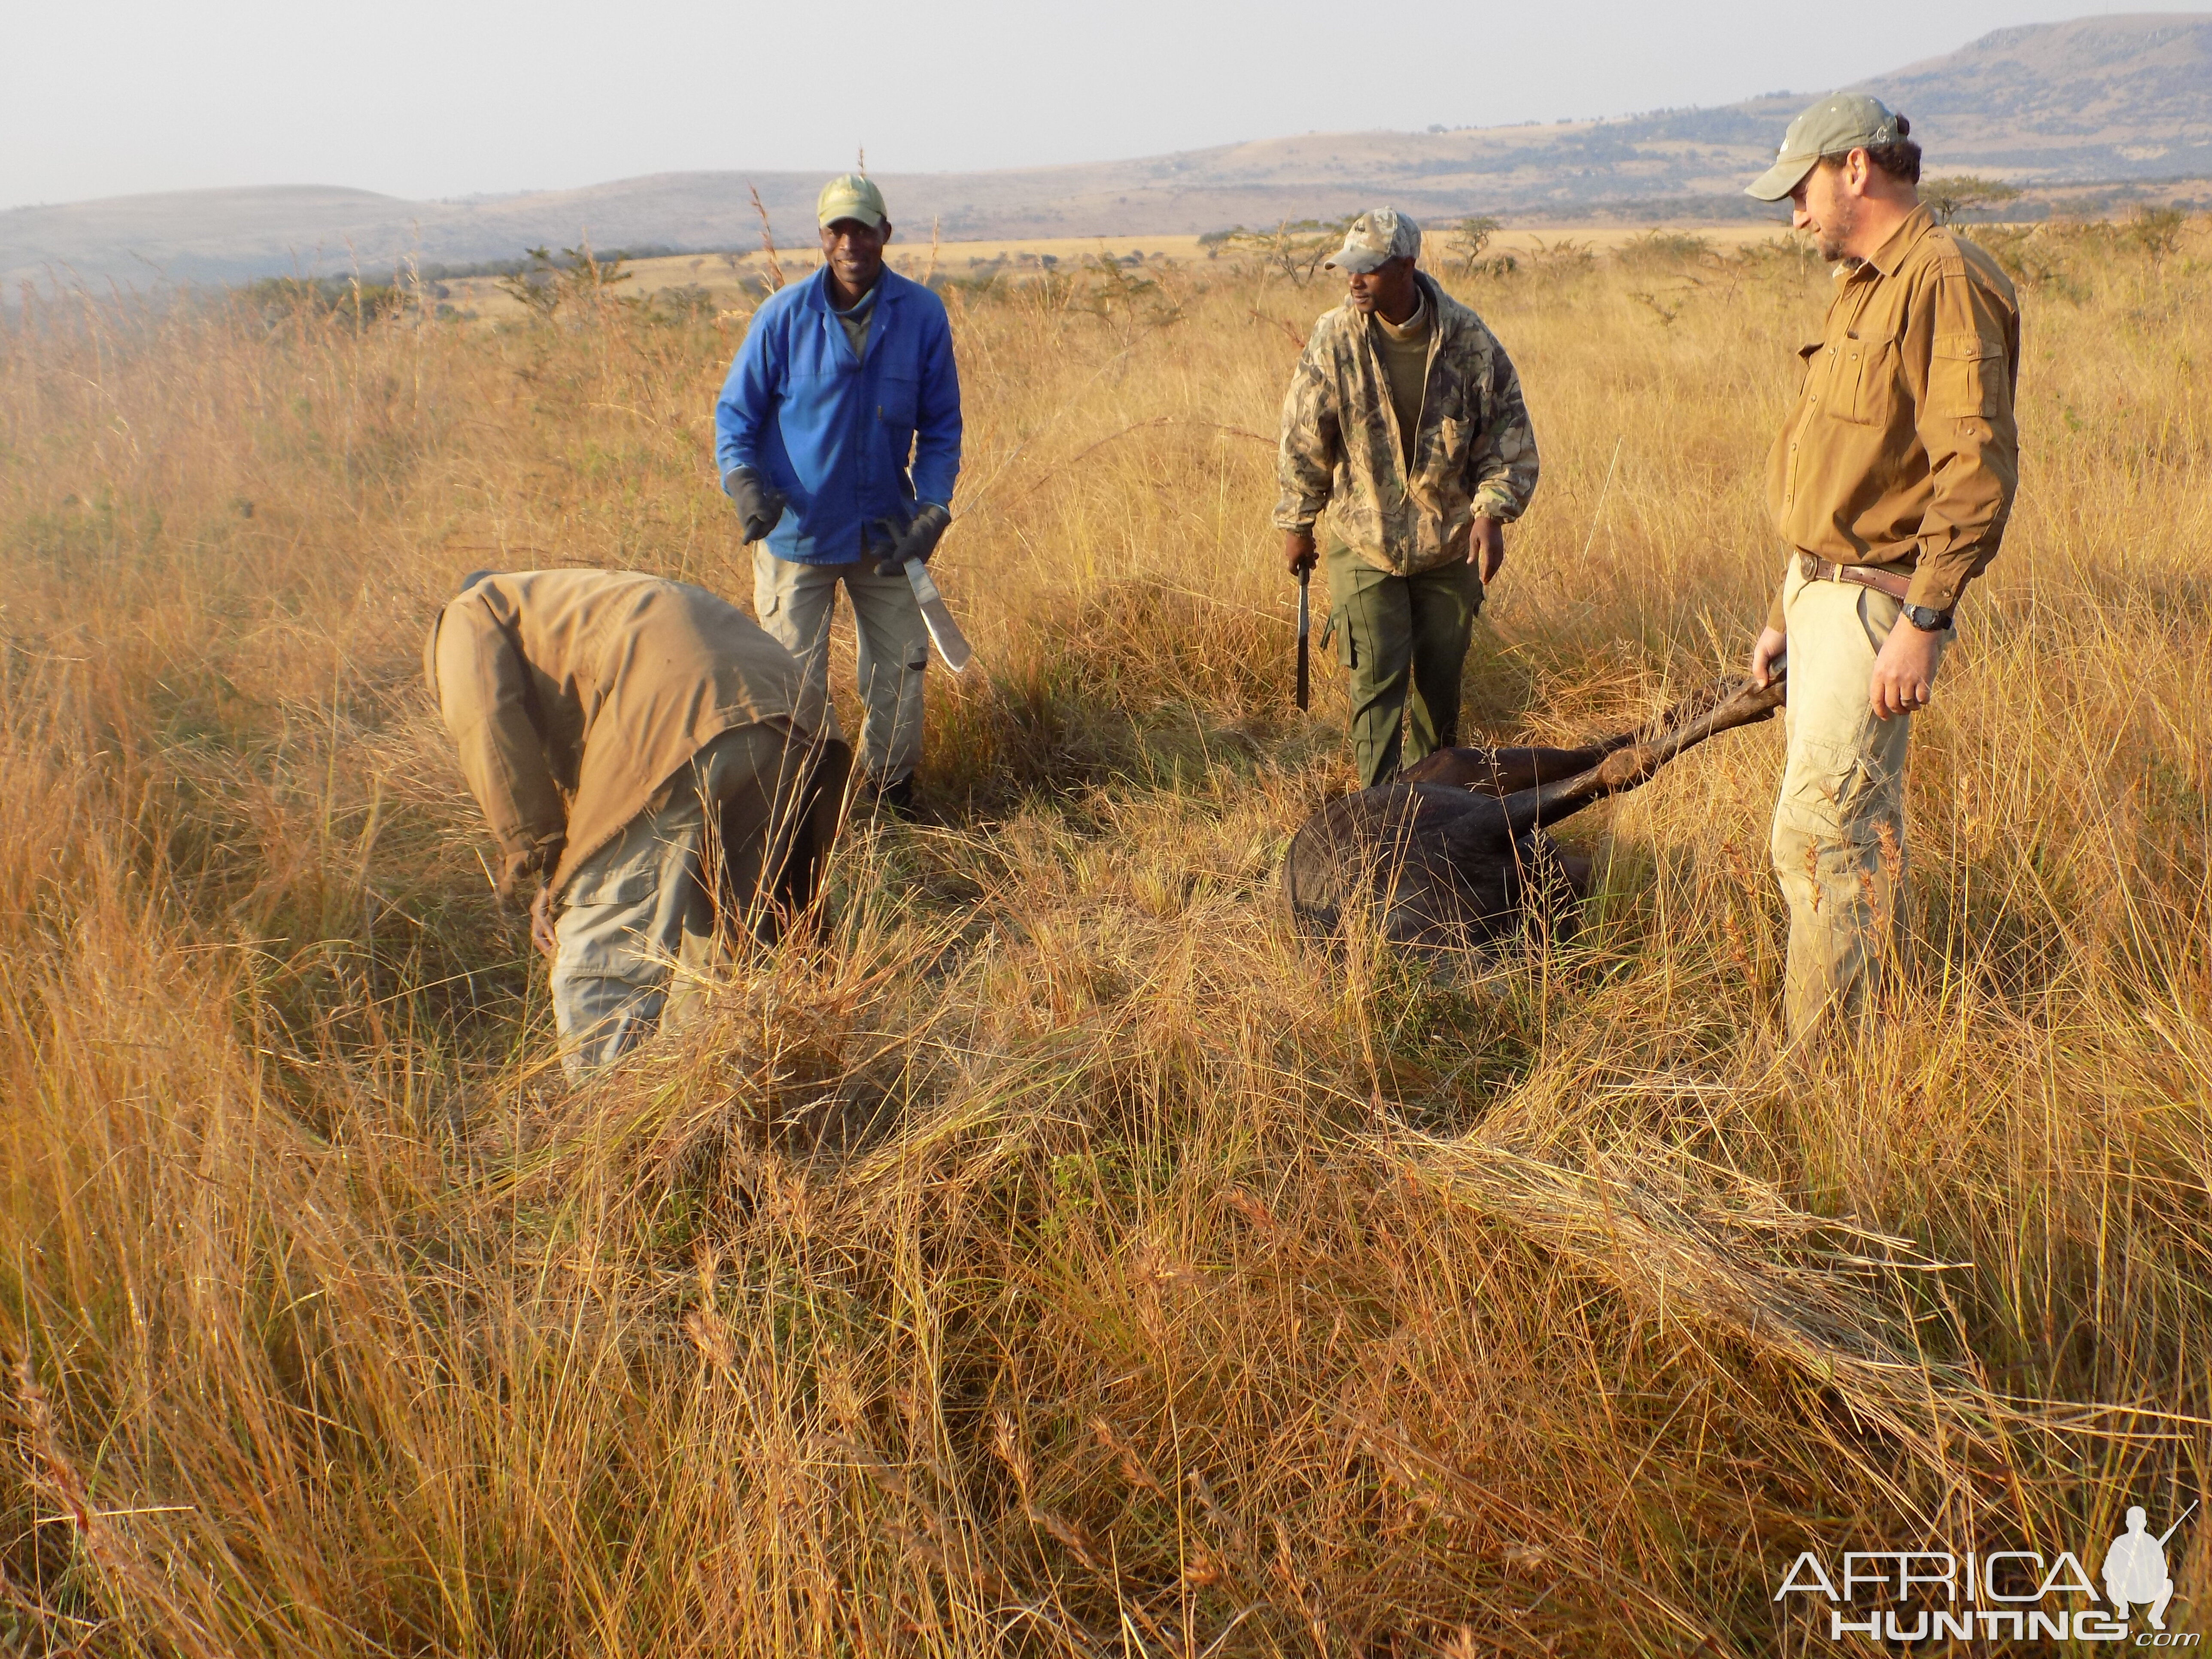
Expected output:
{"points": [[2097, 100]]}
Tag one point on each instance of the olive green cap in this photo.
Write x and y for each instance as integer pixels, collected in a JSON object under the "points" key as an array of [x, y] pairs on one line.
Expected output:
{"points": [[1837, 125], [850, 195]]}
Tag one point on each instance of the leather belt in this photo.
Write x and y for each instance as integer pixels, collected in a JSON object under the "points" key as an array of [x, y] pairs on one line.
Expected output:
{"points": [[1815, 568]]}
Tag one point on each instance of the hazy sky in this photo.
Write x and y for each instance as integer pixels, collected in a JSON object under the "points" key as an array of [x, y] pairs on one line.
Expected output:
{"points": [[129, 95]]}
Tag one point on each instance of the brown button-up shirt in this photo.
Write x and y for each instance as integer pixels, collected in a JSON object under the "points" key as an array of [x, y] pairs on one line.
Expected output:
{"points": [[1902, 449], [576, 695]]}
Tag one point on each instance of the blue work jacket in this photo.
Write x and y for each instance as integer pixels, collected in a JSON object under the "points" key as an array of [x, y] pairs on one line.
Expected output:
{"points": [[834, 432]]}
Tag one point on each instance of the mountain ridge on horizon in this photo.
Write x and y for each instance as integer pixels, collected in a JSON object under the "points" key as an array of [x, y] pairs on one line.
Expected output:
{"points": [[2103, 100]]}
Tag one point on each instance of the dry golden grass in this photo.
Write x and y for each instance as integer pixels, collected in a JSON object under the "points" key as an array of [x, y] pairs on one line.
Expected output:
{"points": [[1045, 1256]]}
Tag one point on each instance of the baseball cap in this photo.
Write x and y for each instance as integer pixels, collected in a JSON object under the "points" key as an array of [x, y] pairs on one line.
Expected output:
{"points": [[1376, 236], [1839, 124], [850, 195]]}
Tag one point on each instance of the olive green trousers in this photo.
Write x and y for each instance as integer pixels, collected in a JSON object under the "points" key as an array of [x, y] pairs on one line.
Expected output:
{"points": [[1402, 640]]}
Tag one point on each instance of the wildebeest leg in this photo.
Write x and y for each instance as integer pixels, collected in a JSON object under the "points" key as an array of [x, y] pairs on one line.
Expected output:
{"points": [[1626, 769]]}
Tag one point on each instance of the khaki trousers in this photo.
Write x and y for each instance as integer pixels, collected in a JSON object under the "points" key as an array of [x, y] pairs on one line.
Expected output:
{"points": [[737, 844], [1838, 842], [794, 602]]}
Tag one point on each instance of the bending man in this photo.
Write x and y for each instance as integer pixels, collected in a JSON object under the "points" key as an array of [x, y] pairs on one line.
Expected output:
{"points": [[1890, 482], [842, 378], [634, 744], [1404, 422]]}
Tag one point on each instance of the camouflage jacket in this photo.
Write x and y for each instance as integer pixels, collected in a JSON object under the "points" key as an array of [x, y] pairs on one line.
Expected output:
{"points": [[1475, 452]]}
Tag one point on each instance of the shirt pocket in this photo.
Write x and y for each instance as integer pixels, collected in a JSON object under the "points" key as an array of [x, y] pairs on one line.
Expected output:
{"points": [[896, 396], [1964, 372], [1447, 454], [1861, 381], [815, 355]]}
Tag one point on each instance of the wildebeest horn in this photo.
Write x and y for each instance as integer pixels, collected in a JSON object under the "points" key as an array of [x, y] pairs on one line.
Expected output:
{"points": [[1626, 768]]}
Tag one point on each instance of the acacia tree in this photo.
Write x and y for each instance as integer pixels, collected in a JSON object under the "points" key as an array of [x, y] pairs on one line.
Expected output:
{"points": [[1296, 248], [577, 274], [1469, 238], [1965, 193]]}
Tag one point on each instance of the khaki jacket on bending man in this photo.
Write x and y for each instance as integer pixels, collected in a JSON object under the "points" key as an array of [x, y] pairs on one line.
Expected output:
{"points": [[1890, 482], [1404, 425], [634, 743]]}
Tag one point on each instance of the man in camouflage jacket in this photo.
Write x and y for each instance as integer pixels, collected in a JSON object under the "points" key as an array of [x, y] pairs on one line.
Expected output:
{"points": [[1405, 426]]}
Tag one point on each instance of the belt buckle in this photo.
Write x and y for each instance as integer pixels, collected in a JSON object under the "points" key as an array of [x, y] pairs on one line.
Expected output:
{"points": [[1808, 566]]}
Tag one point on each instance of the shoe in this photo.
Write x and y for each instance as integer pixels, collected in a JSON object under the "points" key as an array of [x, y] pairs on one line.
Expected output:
{"points": [[896, 799]]}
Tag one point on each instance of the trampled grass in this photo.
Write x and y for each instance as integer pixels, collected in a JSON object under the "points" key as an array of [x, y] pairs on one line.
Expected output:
{"points": [[1046, 1255]]}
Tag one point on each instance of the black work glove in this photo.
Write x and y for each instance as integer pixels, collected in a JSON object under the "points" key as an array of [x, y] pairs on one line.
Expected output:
{"points": [[917, 541], [760, 504]]}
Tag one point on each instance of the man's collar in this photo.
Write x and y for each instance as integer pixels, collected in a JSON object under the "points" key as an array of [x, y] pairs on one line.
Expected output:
{"points": [[1418, 317], [1891, 254], [859, 307], [1438, 301], [823, 285]]}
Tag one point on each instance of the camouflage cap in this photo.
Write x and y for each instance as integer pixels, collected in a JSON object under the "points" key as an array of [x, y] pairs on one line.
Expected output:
{"points": [[1838, 124], [1376, 236], [850, 195]]}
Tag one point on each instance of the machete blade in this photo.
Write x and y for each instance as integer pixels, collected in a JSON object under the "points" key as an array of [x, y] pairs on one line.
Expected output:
{"points": [[937, 616]]}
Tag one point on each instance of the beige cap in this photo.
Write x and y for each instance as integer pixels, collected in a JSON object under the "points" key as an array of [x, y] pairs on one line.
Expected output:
{"points": [[850, 195], [1377, 237], [1838, 124]]}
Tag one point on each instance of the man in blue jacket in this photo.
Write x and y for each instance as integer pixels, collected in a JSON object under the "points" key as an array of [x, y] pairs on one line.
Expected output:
{"points": [[838, 438]]}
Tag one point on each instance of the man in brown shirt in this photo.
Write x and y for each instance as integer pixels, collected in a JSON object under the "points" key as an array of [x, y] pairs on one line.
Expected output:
{"points": [[632, 743], [1890, 482]]}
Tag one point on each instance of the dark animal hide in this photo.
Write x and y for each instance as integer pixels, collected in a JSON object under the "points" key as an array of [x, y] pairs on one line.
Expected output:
{"points": [[1455, 854]]}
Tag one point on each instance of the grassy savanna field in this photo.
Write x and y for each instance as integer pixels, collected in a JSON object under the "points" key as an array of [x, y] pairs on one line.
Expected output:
{"points": [[1044, 1254]]}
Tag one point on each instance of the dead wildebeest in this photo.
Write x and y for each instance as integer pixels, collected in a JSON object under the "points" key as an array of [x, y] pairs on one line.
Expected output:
{"points": [[1455, 854]]}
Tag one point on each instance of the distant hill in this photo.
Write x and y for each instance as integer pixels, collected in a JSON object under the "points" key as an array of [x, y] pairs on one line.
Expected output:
{"points": [[2101, 100]]}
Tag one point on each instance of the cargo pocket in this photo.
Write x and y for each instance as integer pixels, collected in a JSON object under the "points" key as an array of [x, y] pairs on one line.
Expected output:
{"points": [[1962, 376], [1828, 788], [603, 915], [625, 884], [1337, 627], [768, 593]]}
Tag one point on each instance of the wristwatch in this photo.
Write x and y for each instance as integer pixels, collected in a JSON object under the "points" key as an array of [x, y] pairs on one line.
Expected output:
{"points": [[1927, 621]]}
